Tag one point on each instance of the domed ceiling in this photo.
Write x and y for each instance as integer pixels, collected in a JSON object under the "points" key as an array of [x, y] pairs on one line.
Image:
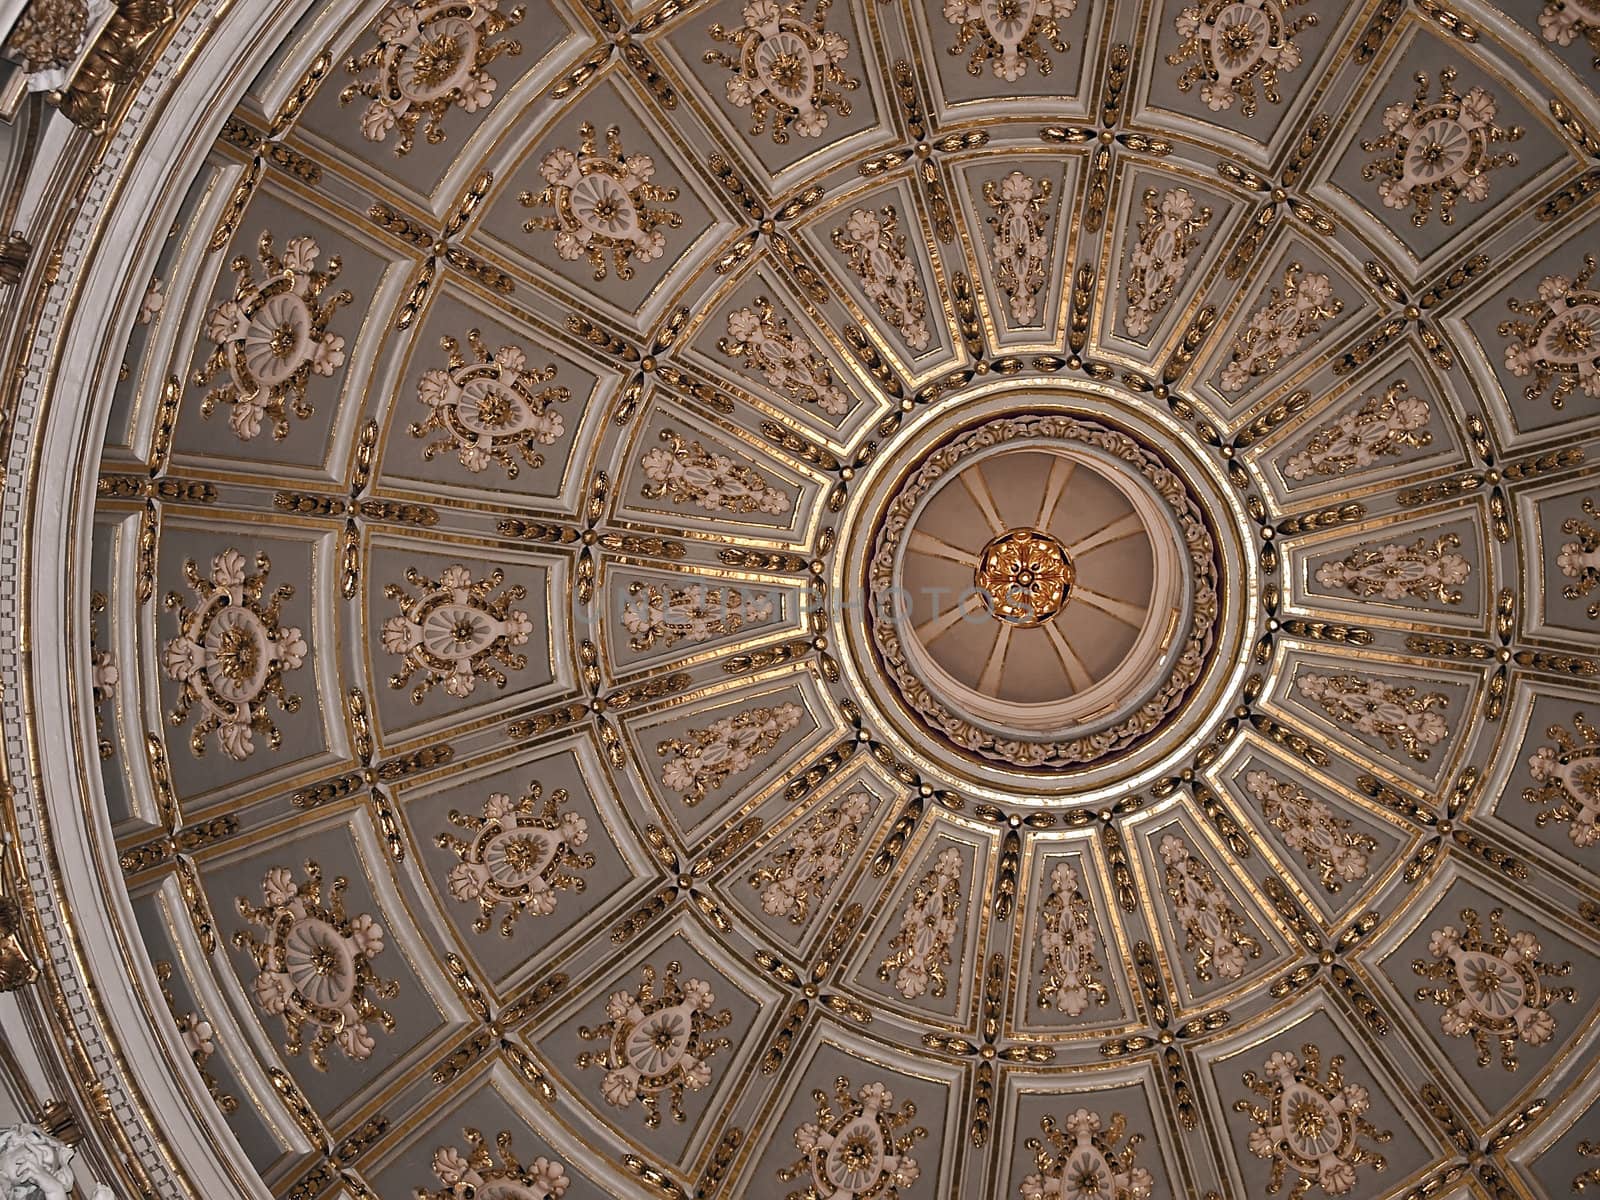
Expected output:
{"points": [[893, 600]]}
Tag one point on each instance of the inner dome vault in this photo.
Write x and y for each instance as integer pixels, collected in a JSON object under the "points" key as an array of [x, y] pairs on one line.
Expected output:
{"points": [[903, 599]]}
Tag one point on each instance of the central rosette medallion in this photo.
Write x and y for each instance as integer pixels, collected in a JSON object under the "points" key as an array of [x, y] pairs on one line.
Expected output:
{"points": [[1025, 576]]}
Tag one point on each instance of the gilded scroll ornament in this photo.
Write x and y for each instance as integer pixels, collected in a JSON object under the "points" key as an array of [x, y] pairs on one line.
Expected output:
{"points": [[1558, 338], [475, 1172], [1383, 427], [1291, 313], [1568, 779], [1168, 235], [785, 68], [1438, 151], [1009, 34], [314, 965], [272, 337], [429, 56], [855, 1148], [1579, 560], [494, 409], [800, 874], [876, 250], [455, 631], [1236, 45], [1398, 715], [658, 1039], [1313, 1126], [688, 473], [230, 654], [1424, 570], [1213, 930], [1492, 986], [762, 341], [48, 34], [1071, 972], [602, 203], [919, 952], [521, 854], [1019, 252], [1328, 844], [659, 615], [1079, 1158], [702, 760]]}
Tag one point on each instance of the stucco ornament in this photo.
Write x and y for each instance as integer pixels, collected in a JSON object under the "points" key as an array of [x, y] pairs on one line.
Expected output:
{"points": [[314, 965], [1291, 313], [495, 409], [1438, 151], [230, 654], [1079, 1160], [602, 203], [800, 874], [1563, 22], [1312, 1126], [521, 854], [429, 56], [272, 337], [1019, 253], [35, 1166], [919, 951], [1326, 841], [655, 614], [785, 69], [1568, 778], [1579, 560], [1236, 45], [1071, 972], [475, 1173], [1424, 570], [658, 1039], [1558, 338], [1213, 930], [1009, 34], [1493, 986], [702, 760], [855, 1149], [1168, 235], [1383, 427], [762, 340], [455, 631], [876, 251], [688, 473], [1396, 715]]}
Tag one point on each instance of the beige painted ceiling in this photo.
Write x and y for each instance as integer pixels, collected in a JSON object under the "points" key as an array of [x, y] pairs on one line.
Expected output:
{"points": [[518, 789]]}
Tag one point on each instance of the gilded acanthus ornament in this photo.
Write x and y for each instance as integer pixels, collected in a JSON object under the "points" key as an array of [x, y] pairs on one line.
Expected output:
{"points": [[1565, 21], [658, 1039], [429, 56], [1168, 235], [1020, 253], [785, 67], [1213, 931], [602, 203], [1494, 987], [1312, 1126], [1558, 338], [1568, 775], [1381, 428], [17, 968], [702, 760], [230, 654], [474, 1172], [669, 615], [1580, 560], [1326, 841], [453, 633], [1236, 44], [1079, 1160], [1424, 570], [1394, 714], [855, 1150], [1287, 317], [314, 965], [876, 250], [1009, 34], [801, 872], [762, 340], [920, 949], [1440, 150], [36, 1166], [688, 473], [48, 34], [272, 337], [199, 1039], [488, 408], [1071, 970], [521, 853]]}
